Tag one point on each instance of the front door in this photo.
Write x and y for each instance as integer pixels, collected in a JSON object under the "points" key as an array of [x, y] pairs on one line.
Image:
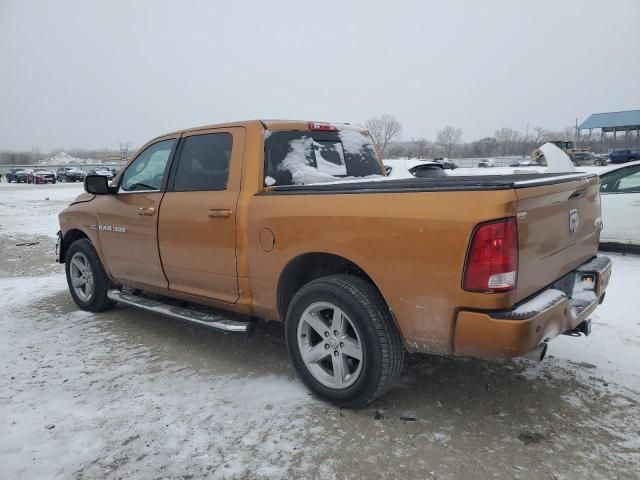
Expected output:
{"points": [[197, 224], [128, 220]]}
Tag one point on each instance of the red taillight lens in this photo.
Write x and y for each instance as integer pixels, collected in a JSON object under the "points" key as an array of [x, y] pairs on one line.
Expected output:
{"points": [[492, 260], [323, 127]]}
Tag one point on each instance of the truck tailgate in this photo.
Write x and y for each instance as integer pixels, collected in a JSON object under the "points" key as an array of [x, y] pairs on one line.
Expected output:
{"points": [[558, 229]]}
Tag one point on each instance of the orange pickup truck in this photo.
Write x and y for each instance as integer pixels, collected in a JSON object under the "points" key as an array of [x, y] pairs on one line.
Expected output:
{"points": [[296, 221]]}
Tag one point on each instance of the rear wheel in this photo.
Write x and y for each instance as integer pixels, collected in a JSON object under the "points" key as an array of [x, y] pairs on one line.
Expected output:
{"points": [[86, 277], [342, 341]]}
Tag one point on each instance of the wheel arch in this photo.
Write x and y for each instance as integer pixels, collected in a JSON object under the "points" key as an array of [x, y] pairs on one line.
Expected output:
{"points": [[307, 267], [68, 238]]}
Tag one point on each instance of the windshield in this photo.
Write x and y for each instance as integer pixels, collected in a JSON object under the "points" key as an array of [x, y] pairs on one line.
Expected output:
{"points": [[301, 157]]}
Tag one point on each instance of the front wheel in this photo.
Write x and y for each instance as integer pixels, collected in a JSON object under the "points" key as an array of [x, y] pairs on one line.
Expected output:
{"points": [[86, 277], [342, 340]]}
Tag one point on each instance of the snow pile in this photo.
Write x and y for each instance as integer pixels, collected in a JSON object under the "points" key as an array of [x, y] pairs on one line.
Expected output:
{"points": [[62, 158]]}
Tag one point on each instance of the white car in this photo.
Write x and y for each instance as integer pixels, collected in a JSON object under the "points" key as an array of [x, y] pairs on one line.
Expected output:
{"points": [[620, 201], [487, 163]]}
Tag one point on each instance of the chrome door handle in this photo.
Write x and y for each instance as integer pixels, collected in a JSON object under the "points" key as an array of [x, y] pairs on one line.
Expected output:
{"points": [[146, 211], [224, 213]]}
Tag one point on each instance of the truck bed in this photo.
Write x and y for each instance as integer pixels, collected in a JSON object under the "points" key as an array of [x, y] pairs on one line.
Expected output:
{"points": [[451, 183]]}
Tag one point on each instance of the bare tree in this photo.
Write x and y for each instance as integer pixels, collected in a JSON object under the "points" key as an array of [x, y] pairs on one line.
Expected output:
{"points": [[383, 130], [539, 135], [508, 140], [417, 148], [484, 147], [448, 138]]}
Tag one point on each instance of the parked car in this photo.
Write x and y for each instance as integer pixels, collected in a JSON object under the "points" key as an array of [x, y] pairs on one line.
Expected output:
{"points": [[71, 174], [620, 203], [623, 156], [105, 172], [18, 175], [604, 159], [524, 163], [446, 163], [41, 175], [487, 163], [582, 159], [296, 222], [413, 168]]}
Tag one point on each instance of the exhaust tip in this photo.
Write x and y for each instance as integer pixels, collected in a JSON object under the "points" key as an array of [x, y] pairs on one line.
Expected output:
{"points": [[538, 353]]}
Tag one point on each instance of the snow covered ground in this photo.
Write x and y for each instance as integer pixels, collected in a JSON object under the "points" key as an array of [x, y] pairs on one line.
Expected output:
{"points": [[126, 394]]}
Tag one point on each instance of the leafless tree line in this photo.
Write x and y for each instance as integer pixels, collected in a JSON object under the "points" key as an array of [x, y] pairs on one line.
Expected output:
{"points": [[386, 130]]}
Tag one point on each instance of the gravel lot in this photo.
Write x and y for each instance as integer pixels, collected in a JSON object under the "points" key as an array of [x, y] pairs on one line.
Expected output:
{"points": [[127, 394]]}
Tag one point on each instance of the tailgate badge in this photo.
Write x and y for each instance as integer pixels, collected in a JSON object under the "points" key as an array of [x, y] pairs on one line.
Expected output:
{"points": [[573, 221]]}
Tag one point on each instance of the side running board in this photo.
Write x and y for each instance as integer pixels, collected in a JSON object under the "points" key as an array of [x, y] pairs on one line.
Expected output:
{"points": [[209, 320]]}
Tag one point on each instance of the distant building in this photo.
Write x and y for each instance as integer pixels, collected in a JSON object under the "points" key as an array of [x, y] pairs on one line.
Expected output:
{"points": [[614, 122]]}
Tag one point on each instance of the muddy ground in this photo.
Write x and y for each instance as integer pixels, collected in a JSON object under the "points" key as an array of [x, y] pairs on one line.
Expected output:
{"points": [[128, 394]]}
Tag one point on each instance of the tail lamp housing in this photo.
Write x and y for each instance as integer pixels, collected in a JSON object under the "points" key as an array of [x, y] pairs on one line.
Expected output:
{"points": [[492, 259]]}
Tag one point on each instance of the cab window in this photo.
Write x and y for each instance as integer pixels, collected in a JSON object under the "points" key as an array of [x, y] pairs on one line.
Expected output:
{"points": [[204, 163], [147, 170], [304, 157]]}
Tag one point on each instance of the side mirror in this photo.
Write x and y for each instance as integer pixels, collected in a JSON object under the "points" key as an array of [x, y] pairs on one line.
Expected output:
{"points": [[96, 184]]}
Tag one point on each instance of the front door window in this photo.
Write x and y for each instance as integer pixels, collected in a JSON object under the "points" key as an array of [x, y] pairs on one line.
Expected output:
{"points": [[147, 171]]}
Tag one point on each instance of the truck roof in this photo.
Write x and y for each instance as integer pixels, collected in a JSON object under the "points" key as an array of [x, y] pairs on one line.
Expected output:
{"points": [[269, 124]]}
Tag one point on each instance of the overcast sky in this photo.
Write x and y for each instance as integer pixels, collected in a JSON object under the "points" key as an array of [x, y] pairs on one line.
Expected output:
{"points": [[92, 74]]}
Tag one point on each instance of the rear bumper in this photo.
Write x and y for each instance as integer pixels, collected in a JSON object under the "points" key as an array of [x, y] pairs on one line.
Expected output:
{"points": [[549, 313]]}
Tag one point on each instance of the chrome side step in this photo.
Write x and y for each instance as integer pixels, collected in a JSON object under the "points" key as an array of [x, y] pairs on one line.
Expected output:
{"points": [[209, 320]]}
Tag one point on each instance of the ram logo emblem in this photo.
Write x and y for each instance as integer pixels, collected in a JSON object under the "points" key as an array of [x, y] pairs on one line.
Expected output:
{"points": [[573, 221]]}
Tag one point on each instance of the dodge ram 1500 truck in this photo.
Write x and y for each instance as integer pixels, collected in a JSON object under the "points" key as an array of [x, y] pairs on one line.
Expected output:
{"points": [[296, 221]]}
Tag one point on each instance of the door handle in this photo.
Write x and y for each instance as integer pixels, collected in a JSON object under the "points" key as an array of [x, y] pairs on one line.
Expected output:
{"points": [[635, 203], [223, 213], [146, 211]]}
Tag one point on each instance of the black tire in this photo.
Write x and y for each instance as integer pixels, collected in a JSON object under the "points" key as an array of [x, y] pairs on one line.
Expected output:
{"points": [[98, 300], [382, 349]]}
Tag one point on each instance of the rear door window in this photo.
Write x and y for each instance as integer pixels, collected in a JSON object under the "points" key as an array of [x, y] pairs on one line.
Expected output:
{"points": [[204, 163], [301, 157]]}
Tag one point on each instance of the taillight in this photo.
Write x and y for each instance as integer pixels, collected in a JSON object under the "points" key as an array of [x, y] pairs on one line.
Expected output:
{"points": [[322, 127], [492, 259]]}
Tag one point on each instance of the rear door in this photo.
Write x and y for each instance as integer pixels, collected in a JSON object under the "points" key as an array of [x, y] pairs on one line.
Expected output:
{"points": [[128, 220], [197, 229], [558, 229], [620, 197]]}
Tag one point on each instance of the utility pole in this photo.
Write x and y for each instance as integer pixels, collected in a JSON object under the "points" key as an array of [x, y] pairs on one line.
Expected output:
{"points": [[124, 151]]}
